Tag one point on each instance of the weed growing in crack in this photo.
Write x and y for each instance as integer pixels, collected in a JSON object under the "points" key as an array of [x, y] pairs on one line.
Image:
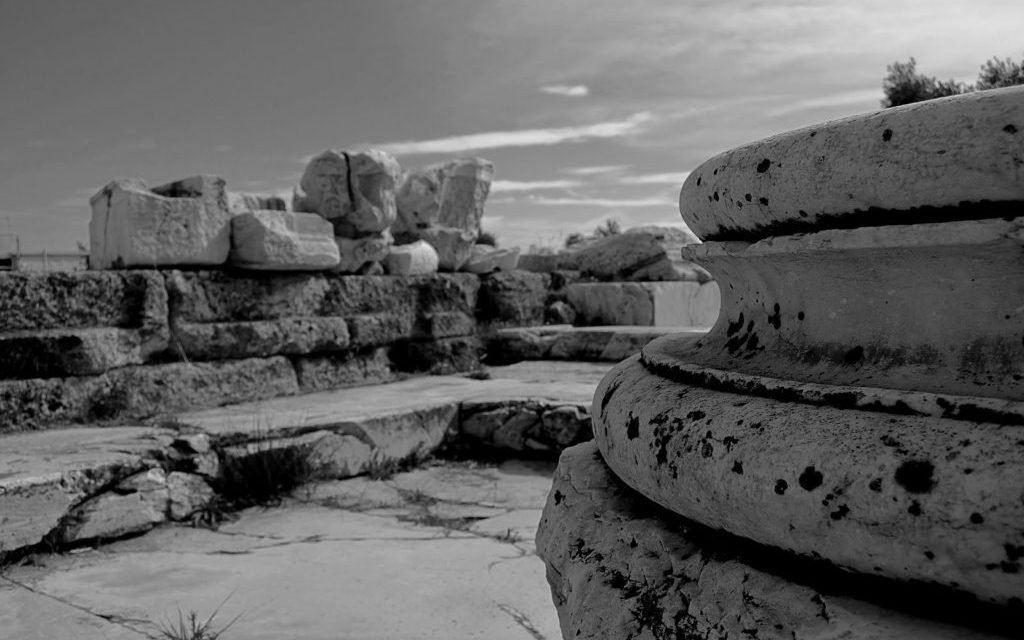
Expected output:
{"points": [[381, 468], [189, 627], [265, 470]]}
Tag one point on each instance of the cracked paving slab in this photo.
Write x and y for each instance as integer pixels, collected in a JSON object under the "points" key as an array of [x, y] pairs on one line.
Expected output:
{"points": [[313, 568]]}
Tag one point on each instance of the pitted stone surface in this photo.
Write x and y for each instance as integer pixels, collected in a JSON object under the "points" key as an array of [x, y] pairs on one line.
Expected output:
{"points": [[259, 338], [64, 352], [640, 254], [355, 191], [282, 241], [454, 247], [182, 223], [658, 304], [904, 497], [620, 568], [892, 165], [356, 255], [416, 258], [485, 259]]}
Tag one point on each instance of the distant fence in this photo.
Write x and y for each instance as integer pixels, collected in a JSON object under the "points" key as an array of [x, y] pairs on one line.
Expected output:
{"points": [[45, 261]]}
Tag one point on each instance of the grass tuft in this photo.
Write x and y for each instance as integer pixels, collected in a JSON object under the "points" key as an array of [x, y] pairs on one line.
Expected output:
{"points": [[189, 626]]}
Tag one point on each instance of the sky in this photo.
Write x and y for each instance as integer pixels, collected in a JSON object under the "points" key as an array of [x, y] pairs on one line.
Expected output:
{"points": [[589, 109]]}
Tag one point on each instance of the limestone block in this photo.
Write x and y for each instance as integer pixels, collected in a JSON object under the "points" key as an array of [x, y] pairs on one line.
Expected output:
{"points": [[340, 455], [443, 324], [136, 504], [416, 258], [439, 357], [356, 255], [513, 298], [182, 223], [641, 254], [282, 241], [37, 302], [68, 352], [539, 262], [566, 425], [560, 312], [355, 191], [485, 259], [659, 304], [245, 202], [322, 372], [619, 567], [187, 493], [447, 195], [906, 497], [454, 247], [37, 403], [218, 296], [259, 338], [350, 295], [377, 329], [906, 164]]}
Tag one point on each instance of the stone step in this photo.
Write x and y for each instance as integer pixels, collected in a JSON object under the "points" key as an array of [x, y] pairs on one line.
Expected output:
{"points": [[69, 485], [566, 342]]}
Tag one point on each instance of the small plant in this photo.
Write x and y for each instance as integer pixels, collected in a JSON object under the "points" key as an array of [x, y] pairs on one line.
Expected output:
{"points": [[263, 471], [381, 468], [189, 627]]}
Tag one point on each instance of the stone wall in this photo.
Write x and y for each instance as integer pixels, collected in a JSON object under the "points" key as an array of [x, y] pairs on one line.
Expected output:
{"points": [[118, 346]]}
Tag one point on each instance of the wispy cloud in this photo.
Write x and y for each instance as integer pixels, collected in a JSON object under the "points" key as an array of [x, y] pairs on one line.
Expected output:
{"points": [[863, 98], [656, 178], [571, 91], [544, 201], [596, 170], [521, 138], [506, 186]]}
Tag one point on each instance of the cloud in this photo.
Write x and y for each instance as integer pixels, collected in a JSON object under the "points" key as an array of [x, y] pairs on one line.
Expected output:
{"points": [[596, 170], [571, 91], [656, 178], [544, 201], [865, 99], [506, 186], [521, 138]]}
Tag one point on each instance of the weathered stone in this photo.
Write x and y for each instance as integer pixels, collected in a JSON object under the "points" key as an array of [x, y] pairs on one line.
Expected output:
{"points": [[187, 493], [377, 329], [446, 195], [902, 165], [442, 356], [356, 255], [318, 373], [641, 254], [539, 262], [37, 302], [902, 496], [418, 200], [136, 504], [69, 352], [565, 342], [417, 258], [443, 324], [282, 241], [485, 259], [658, 304], [354, 191], [259, 338], [619, 568], [566, 425], [36, 403], [244, 202], [453, 246], [340, 455], [182, 223], [513, 298], [559, 312], [217, 296]]}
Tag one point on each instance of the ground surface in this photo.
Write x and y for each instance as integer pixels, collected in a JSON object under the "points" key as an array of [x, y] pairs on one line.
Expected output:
{"points": [[438, 552]]}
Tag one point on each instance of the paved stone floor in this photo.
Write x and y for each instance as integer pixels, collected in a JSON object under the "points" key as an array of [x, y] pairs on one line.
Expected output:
{"points": [[444, 551]]}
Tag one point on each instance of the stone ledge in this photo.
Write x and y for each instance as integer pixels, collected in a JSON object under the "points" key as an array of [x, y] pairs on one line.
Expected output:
{"points": [[565, 342], [68, 352]]}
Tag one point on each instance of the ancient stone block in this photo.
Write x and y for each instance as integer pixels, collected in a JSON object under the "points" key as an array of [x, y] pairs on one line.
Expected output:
{"points": [[186, 494], [442, 356], [182, 223], [321, 372], [244, 202], [659, 304], [36, 403], [566, 425], [513, 298], [902, 165], [357, 254], [348, 296], [446, 195], [454, 246], [136, 504], [376, 329], [283, 241], [443, 324], [485, 259], [217, 296], [355, 191], [641, 254], [417, 258], [258, 338], [57, 353]]}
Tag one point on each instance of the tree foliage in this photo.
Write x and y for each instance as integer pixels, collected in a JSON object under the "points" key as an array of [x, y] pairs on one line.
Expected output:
{"points": [[611, 227], [488, 238], [904, 85]]}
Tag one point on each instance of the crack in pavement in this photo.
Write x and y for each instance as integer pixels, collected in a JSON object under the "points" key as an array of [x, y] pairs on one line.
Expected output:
{"points": [[112, 618], [522, 620]]}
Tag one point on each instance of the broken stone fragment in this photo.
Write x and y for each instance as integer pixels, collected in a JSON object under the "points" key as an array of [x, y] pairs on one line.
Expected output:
{"points": [[182, 223], [187, 493], [454, 246], [416, 258], [135, 504], [451, 194], [641, 254], [243, 202], [359, 254], [282, 241], [485, 259], [651, 304], [355, 191]]}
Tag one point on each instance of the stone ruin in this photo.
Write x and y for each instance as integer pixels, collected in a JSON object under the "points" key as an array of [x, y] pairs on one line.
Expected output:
{"points": [[842, 455]]}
